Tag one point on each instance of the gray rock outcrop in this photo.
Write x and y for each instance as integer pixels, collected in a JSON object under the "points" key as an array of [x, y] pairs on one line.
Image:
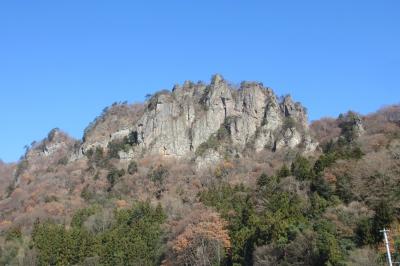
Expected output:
{"points": [[194, 117], [56, 144]]}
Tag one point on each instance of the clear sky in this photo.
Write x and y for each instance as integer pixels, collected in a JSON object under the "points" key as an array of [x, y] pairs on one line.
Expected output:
{"points": [[62, 62]]}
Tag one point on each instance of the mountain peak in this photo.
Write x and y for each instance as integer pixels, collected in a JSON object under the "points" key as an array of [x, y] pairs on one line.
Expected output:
{"points": [[184, 123]]}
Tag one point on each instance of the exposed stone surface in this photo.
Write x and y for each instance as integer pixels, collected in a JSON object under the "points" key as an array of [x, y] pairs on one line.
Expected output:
{"points": [[351, 122], [55, 145], [176, 123], [359, 127], [126, 156], [208, 159], [114, 122]]}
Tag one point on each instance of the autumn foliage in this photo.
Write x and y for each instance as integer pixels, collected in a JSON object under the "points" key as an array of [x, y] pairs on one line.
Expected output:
{"points": [[267, 208], [202, 239]]}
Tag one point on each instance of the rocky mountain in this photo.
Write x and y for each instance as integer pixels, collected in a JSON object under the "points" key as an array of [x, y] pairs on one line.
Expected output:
{"points": [[196, 122], [185, 121], [235, 167], [201, 122]]}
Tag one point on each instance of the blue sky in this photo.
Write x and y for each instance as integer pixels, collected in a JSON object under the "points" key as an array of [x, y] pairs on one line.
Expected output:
{"points": [[62, 62]]}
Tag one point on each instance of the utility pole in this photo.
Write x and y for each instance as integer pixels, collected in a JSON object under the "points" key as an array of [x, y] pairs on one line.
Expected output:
{"points": [[384, 231]]}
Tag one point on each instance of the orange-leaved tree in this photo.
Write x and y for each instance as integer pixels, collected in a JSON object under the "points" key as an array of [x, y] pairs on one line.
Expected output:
{"points": [[201, 239]]}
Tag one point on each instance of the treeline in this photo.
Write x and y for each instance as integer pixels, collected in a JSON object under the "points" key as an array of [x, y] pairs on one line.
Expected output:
{"points": [[130, 237]]}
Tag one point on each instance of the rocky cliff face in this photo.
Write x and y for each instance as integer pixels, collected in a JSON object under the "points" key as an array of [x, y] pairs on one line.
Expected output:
{"points": [[55, 147], [196, 117], [199, 121]]}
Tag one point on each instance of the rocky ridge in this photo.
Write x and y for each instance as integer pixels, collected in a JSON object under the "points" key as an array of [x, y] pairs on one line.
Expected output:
{"points": [[205, 122], [180, 123], [196, 122]]}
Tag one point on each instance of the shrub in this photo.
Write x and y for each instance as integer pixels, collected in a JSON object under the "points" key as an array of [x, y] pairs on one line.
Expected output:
{"points": [[86, 193], [114, 147], [63, 161], [211, 143], [343, 188], [268, 184], [132, 167], [382, 219], [8, 254], [329, 250], [301, 168], [10, 189], [21, 167], [133, 138], [323, 162], [321, 186], [364, 234], [205, 97], [81, 215], [14, 234], [158, 174], [114, 175], [301, 251], [283, 172], [288, 123], [96, 176], [96, 157], [222, 170], [364, 256], [215, 140], [124, 144], [50, 198], [262, 180], [369, 229]]}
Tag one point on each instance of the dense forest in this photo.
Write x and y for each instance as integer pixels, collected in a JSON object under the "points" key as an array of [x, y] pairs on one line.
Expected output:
{"points": [[265, 208]]}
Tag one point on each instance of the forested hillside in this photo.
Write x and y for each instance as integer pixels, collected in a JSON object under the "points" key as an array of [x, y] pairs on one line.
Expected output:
{"points": [[257, 185]]}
